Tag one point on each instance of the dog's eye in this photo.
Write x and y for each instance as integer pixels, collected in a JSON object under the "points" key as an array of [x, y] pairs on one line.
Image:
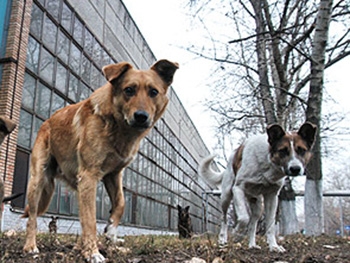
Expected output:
{"points": [[129, 91], [283, 152], [153, 93], [301, 151]]}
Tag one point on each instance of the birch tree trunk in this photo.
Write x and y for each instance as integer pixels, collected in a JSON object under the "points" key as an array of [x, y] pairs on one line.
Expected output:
{"points": [[261, 48], [314, 224]]}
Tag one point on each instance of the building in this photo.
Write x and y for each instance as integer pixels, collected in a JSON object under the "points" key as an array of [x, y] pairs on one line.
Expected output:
{"points": [[51, 55]]}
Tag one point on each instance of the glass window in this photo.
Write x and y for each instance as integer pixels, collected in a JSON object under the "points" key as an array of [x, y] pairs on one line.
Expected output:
{"points": [[63, 47], [95, 77], [65, 200], [32, 55], [46, 66], [85, 92], [79, 31], [74, 58], [66, 18], [61, 78], [57, 103], [53, 7], [36, 21], [73, 88], [88, 44], [106, 59], [54, 201], [50, 33], [106, 206], [75, 206], [96, 53], [24, 129], [99, 201], [28, 92], [42, 102], [86, 69]]}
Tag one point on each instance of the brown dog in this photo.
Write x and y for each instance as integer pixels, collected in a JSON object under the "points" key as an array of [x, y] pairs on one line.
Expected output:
{"points": [[6, 127], [95, 140]]}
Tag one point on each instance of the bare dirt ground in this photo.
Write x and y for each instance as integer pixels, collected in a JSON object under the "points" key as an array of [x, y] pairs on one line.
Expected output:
{"points": [[171, 249]]}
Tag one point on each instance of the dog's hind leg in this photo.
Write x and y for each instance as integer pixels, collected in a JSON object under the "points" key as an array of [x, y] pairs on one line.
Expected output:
{"points": [[270, 204], [40, 190], [114, 187], [255, 213], [242, 211], [226, 197]]}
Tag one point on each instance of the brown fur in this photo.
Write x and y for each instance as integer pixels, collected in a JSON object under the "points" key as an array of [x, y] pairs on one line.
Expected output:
{"points": [[6, 127], [237, 159], [95, 140]]}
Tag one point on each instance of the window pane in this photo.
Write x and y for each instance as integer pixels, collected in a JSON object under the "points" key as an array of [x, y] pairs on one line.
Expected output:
{"points": [[106, 59], [86, 69], [53, 208], [50, 33], [96, 56], [63, 47], [74, 59], [95, 77], [78, 31], [61, 78], [53, 7], [88, 42], [66, 17], [99, 201], [36, 21], [37, 124], [73, 88], [57, 103], [85, 92], [46, 66], [32, 55], [28, 92], [24, 129], [42, 103], [65, 200]]}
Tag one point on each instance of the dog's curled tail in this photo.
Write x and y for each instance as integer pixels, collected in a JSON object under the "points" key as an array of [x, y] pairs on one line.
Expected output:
{"points": [[208, 174]]}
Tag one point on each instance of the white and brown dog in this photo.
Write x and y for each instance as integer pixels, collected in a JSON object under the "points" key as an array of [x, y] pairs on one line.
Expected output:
{"points": [[255, 174]]}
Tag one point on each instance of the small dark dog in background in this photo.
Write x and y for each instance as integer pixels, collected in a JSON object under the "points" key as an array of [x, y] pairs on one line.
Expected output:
{"points": [[184, 224], [53, 225]]}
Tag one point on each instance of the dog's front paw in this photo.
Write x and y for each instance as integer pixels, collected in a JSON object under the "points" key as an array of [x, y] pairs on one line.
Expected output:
{"points": [[111, 233], [254, 247], [277, 248], [31, 249], [96, 258]]}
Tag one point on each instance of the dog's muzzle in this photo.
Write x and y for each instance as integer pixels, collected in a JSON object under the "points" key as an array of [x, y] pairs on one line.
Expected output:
{"points": [[140, 120]]}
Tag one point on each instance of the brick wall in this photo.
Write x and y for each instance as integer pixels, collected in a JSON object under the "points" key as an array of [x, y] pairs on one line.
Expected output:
{"points": [[12, 83]]}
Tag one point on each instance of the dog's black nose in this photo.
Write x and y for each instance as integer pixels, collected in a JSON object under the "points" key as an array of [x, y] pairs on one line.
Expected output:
{"points": [[141, 117], [294, 170]]}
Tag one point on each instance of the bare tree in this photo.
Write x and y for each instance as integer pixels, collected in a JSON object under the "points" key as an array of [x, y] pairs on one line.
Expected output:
{"points": [[314, 224], [264, 56]]}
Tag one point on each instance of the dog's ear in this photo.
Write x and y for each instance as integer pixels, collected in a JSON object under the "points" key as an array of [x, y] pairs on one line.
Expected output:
{"points": [[307, 131], [274, 132], [179, 207], [166, 70], [187, 208], [6, 125], [114, 71]]}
